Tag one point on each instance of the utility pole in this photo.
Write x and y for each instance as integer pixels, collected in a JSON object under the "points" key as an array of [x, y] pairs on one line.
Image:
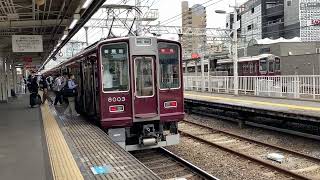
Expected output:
{"points": [[235, 51], [138, 21], [87, 40], [202, 64]]}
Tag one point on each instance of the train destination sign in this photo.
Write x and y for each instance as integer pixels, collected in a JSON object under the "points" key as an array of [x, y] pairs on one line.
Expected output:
{"points": [[27, 43]]}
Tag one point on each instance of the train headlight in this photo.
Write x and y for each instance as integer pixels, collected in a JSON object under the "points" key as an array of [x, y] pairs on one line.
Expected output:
{"points": [[170, 104], [116, 108]]}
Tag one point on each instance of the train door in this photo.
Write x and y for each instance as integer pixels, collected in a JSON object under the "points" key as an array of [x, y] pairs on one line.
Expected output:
{"points": [[145, 91]]}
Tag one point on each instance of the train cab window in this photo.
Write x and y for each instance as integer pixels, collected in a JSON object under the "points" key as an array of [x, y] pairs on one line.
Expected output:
{"points": [[271, 66], [169, 65], [115, 72], [263, 65]]}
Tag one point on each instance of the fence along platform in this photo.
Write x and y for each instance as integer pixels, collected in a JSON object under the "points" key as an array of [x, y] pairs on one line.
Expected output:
{"points": [[307, 108], [294, 87]]}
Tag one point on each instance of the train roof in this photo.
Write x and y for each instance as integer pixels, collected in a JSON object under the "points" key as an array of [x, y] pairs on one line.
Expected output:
{"points": [[246, 59]]}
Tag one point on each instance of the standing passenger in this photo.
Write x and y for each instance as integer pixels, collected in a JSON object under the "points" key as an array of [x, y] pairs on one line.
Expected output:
{"points": [[44, 84], [57, 89], [71, 91]]}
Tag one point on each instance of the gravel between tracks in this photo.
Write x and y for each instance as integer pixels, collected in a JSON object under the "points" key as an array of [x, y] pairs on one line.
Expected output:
{"points": [[300, 144], [220, 163], [228, 166]]}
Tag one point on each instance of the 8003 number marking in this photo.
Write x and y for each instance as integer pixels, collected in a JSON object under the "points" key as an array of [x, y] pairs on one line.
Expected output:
{"points": [[116, 99]]}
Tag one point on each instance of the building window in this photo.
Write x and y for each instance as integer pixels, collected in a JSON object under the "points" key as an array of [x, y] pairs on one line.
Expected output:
{"points": [[289, 3], [318, 50], [252, 10], [250, 27]]}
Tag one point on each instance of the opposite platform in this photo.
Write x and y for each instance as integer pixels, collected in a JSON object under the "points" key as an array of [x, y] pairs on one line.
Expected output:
{"points": [[308, 108]]}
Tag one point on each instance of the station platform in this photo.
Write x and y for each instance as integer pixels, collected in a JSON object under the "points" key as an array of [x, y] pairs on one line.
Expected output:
{"points": [[288, 106], [40, 143]]}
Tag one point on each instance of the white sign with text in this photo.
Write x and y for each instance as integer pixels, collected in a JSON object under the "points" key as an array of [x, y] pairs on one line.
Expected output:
{"points": [[27, 43]]}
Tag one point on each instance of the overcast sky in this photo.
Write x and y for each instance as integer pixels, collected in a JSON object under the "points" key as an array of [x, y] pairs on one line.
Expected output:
{"points": [[170, 9]]}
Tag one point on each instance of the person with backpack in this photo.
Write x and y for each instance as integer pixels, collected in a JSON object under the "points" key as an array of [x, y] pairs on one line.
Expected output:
{"points": [[70, 91]]}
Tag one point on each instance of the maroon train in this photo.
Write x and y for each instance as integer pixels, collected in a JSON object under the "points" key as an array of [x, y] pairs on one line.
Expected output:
{"points": [[132, 87], [261, 65]]}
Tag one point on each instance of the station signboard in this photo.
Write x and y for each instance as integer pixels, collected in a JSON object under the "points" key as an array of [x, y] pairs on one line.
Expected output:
{"points": [[27, 43]]}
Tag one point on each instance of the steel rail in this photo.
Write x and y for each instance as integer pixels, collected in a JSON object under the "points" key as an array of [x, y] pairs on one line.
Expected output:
{"points": [[264, 163], [189, 165], [257, 142], [235, 119]]}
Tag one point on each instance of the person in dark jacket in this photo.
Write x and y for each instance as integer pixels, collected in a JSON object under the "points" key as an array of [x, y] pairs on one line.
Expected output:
{"points": [[44, 85], [33, 88]]}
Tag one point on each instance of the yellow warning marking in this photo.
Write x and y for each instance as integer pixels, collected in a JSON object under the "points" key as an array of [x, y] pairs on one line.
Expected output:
{"points": [[257, 102], [62, 162]]}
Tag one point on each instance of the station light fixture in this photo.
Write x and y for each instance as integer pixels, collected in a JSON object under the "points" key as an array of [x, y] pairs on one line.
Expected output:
{"points": [[76, 18], [86, 4]]}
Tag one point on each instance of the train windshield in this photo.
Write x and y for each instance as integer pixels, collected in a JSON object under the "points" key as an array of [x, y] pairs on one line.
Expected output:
{"points": [[169, 65], [263, 64], [115, 67]]}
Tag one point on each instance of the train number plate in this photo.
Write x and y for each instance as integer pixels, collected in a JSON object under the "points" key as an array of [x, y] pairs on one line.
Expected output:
{"points": [[116, 99]]}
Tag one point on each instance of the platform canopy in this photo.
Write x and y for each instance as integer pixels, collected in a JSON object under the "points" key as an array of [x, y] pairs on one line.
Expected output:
{"points": [[31, 29]]}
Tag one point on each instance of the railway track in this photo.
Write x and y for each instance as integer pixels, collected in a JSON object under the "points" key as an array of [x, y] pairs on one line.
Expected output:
{"points": [[170, 166], [294, 164]]}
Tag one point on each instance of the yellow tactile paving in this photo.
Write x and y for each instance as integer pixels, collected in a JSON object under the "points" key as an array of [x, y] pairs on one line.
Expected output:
{"points": [[62, 162], [309, 108]]}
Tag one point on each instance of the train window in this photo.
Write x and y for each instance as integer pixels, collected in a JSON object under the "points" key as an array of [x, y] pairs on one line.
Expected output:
{"points": [[277, 65], [263, 65], [115, 72], [251, 67], [144, 76], [271, 66], [169, 65]]}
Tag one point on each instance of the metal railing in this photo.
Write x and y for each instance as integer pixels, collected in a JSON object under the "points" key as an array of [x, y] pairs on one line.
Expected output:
{"points": [[300, 86]]}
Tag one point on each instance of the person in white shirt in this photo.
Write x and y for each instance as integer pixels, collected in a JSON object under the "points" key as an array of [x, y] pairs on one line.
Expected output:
{"points": [[57, 86], [107, 78]]}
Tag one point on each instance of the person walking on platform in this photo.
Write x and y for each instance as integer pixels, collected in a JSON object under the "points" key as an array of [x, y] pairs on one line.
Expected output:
{"points": [[71, 92], [57, 86], [33, 89], [64, 81], [44, 85]]}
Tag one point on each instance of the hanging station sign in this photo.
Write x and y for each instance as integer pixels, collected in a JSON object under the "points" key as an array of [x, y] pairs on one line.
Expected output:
{"points": [[27, 43]]}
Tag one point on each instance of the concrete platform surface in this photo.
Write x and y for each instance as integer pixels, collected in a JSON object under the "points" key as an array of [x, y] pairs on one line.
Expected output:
{"points": [[23, 152], [283, 105]]}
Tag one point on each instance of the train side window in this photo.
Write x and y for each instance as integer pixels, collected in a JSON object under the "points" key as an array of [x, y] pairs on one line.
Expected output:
{"points": [[251, 67], [277, 65], [115, 71], [169, 65]]}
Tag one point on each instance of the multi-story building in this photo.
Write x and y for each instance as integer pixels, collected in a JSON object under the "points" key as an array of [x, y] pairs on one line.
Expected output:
{"points": [[309, 20], [194, 22], [279, 18]]}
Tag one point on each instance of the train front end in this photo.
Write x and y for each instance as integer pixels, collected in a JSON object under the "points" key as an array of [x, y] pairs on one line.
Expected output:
{"points": [[142, 94]]}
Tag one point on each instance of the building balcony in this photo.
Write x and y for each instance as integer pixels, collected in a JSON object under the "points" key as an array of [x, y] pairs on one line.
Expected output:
{"points": [[276, 10]]}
